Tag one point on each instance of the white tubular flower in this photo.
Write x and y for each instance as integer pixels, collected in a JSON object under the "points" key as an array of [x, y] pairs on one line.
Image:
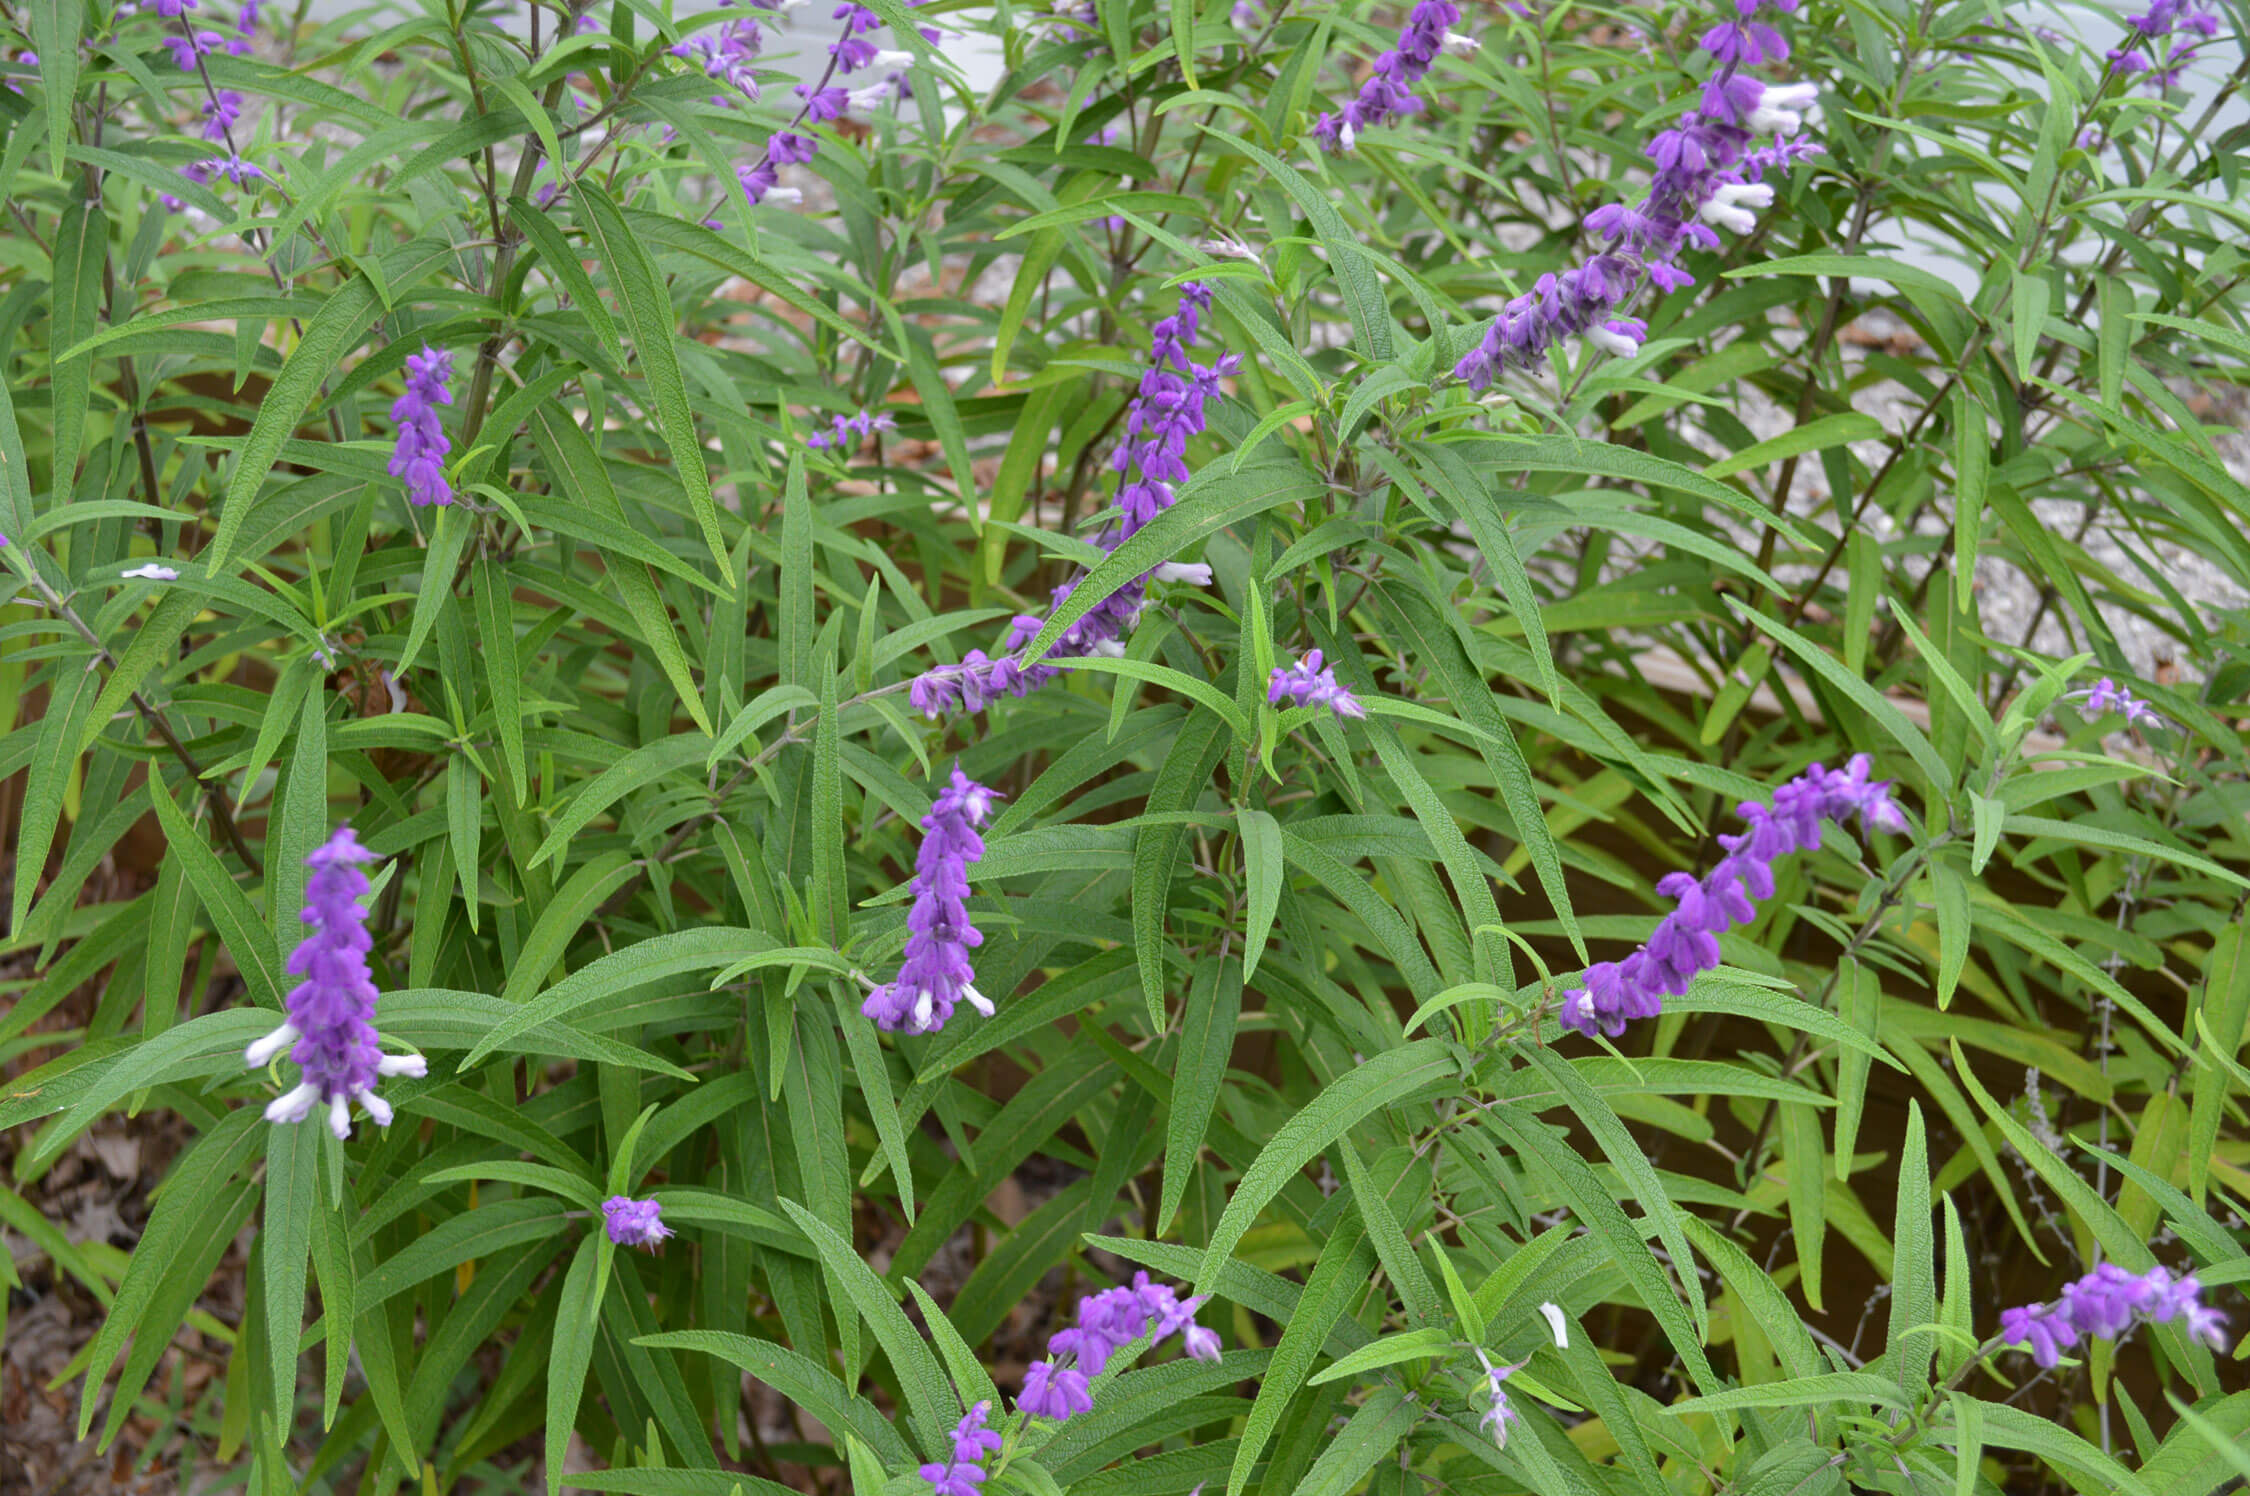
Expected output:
{"points": [[376, 1108], [1195, 573], [1731, 204], [403, 1064], [1610, 341], [977, 1000], [152, 572], [891, 59], [1781, 111], [1559, 1325], [788, 197], [1346, 134], [874, 96], [340, 1116], [1457, 45], [1110, 649], [293, 1106], [262, 1053]]}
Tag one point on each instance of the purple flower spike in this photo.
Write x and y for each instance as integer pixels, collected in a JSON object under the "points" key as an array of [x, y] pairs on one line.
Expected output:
{"points": [[1307, 684], [419, 457], [846, 432], [1388, 93], [172, 10], [220, 113], [1708, 177], [634, 1223], [1165, 413], [1109, 1321], [972, 1441], [936, 975], [1497, 1413], [332, 1011], [2108, 1302], [2105, 696], [1685, 942]]}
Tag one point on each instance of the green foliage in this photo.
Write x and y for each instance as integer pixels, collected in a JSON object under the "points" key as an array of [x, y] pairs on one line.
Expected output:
{"points": [[1278, 991]]}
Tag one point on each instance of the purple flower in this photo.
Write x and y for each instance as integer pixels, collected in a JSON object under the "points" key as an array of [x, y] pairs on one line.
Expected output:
{"points": [[1497, 1413], [1388, 93], [186, 49], [1152, 458], [331, 1020], [232, 167], [220, 113], [2107, 1302], [1307, 684], [1685, 942], [172, 10], [935, 974], [843, 429], [824, 104], [972, 1441], [854, 51], [1051, 1391], [634, 1223], [760, 183], [419, 457], [1109, 1321], [2105, 695], [727, 54], [787, 149], [957, 1479], [246, 19], [1708, 170]]}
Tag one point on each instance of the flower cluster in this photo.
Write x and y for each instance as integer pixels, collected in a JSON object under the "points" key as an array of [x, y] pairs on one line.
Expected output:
{"points": [[332, 1011], [854, 51], [1388, 93], [1166, 411], [1108, 1322], [726, 55], [2107, 1302], [1307, 684], [220, 113], [419, 457], [842, 429], [2157, 22], [1686, 942], [2105, 695], [973, 1443], [1497, 1413], [935, 974], [634, 1223], [1708, 176]]}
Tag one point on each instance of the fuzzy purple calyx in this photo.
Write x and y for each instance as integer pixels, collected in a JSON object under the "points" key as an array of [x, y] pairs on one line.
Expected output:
{"points": [[935, 975], [634, 1223]]}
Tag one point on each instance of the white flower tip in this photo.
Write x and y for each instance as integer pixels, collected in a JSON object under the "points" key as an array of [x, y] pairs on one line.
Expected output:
{"points": [[787, 197], [1559, 1325], [923, 1009], [1111, 649], [340, 1117], [261, 1054], [1346, 134], [1195, 573], [152, 572], [978, 1001], [376, 1108], [293, 1106], [892, 59], [1610, 341], [1724, 215], [403, 1064], [1457, 45]]}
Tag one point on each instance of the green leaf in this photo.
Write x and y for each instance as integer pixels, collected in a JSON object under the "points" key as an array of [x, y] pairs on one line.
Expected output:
{"points": [[1914, 1287], [1392, 1349], [1384, 1080], [929, 1396], [1261, 874], [70, 705], [640, 291], [1853, 1388], [1363, 292], [700, 949], [336, 329], [1340, 1276], [805, 1382], [292, 1195], [577, 1320], [81, 249], [1377, 1427], [1214, 1005], [1858, 692], [1816, 435], [2013, 1428]]}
